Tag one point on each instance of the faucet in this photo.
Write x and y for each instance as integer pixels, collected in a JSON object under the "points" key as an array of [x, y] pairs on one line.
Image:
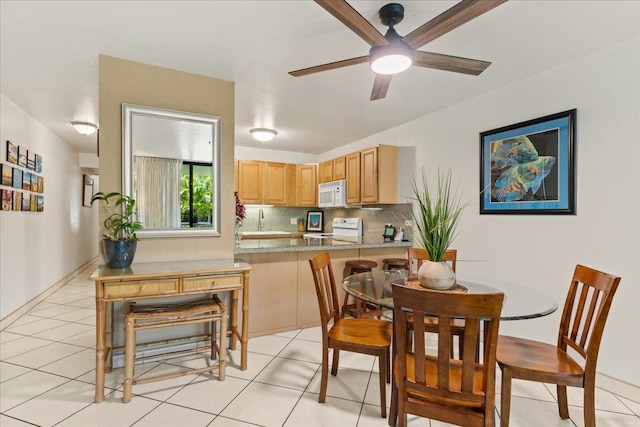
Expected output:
{"points": [[260, 218]]}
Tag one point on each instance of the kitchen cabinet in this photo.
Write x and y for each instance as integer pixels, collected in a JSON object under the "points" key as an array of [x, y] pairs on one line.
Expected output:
{"points": [[249, 182], [325, 173], [262, 182], [306, 185], [339, 168], [352, 164], [283, 295], [275, 183], [332, 170], [379, 175]]}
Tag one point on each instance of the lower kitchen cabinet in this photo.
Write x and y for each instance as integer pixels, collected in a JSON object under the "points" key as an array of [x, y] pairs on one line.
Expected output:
{"points": [[282, 293], [273, 290]]}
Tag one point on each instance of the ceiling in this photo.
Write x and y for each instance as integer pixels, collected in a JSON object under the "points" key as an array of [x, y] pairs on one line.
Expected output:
{"points": [[49, 58]]}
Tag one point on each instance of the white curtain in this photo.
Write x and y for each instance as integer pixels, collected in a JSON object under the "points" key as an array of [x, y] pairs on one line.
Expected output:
{"points": [[158, 192]]}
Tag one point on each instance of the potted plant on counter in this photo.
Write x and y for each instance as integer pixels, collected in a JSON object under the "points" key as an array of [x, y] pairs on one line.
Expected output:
{"points": [[120, 240], [436, 217]]}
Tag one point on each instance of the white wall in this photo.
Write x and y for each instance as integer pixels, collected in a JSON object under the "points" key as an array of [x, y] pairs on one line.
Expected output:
{"points": [[538, 250], [37, 249]]}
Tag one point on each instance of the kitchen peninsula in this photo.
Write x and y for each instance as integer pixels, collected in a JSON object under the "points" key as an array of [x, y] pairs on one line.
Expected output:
{"points": [[283, 297]]}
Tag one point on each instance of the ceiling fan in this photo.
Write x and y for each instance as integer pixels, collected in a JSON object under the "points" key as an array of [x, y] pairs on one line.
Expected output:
{"points": [[395, 48]]}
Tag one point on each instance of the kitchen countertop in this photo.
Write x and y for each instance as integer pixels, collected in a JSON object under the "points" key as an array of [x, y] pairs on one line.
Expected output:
{"points": [[297, 244]]}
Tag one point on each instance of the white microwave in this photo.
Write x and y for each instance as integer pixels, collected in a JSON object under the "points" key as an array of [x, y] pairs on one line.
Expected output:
{"points": [[333, 194]]}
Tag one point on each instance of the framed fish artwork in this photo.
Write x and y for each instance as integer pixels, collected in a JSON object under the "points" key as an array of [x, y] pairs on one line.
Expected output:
{"points": [[529, 167]]}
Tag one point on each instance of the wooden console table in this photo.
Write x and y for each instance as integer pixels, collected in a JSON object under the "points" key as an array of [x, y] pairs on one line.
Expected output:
{"points": [[167, 279]]}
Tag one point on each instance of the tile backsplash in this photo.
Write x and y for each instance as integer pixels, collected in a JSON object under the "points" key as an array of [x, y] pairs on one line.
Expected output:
{"points": [[278, 218]]}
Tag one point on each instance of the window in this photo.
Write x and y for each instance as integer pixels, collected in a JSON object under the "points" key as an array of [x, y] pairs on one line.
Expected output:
{"points": [[196, 191]]}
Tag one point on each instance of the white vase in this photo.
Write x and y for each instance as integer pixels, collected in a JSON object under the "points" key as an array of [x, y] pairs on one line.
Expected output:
{"points": [[436, 275]]}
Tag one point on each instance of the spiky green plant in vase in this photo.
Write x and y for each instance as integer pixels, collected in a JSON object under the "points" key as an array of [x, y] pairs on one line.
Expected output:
{"points": [[436, 213]]}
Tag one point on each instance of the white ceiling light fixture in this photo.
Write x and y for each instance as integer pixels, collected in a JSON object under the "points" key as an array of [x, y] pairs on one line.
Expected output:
{"points": [[397, 56], [391, 59], [263, 134], [84, 128]]}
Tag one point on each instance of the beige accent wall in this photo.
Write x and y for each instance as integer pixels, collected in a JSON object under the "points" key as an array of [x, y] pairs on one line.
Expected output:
{"points": [[123, 81]]}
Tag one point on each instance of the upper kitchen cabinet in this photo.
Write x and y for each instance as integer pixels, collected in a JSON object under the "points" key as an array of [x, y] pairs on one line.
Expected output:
{"points": [[325, 173], [275, 183], [278, 184], [306, 185], [339, 168], [249, 181], [352, 163], [262, 183], [332, 170], [379, 175]]}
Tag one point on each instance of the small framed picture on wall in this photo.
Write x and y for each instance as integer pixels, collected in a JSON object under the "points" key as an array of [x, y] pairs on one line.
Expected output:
{"points": [[17, 201], [22, 157], [26, 180], [7, 200], [12, 153], [31, 160], [7, 175], [87, 190], [17, 178], [315, 221]]}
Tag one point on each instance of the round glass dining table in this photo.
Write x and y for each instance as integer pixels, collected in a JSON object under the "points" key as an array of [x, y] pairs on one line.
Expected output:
{"points": [[520, 302]]}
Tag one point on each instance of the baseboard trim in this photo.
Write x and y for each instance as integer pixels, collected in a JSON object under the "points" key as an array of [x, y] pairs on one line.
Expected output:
{"points": [[16, 314], [619, 387]]}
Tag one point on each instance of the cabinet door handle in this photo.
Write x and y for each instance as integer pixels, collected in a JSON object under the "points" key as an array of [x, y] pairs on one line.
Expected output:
{"points": [[213, 282]]}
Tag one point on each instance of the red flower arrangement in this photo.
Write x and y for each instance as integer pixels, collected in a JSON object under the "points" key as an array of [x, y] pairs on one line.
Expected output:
{"points": [[240, 209]]}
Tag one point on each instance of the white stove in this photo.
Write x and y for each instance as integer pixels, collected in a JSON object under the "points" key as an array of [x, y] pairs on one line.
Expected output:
{"points": [[343, 228]]}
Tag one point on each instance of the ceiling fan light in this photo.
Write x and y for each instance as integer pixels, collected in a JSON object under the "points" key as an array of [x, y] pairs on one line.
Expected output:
{"points": [[84, 128], [263, 134], [390, 59]]}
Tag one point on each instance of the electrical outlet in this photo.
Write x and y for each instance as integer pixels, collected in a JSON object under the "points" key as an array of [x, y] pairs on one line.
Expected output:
{"points": [[294, 221], [408, 223]]}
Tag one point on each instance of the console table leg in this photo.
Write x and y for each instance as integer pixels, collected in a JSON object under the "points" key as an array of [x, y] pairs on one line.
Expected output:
{"points": [[244, 340], [101, 350]]}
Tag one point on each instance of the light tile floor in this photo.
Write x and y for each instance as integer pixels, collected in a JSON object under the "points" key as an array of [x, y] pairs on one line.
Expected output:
{"points": [[47, 379]]}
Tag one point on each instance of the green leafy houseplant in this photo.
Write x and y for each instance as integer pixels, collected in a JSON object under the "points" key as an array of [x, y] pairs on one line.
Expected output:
{"points": [[437, 214], [120, 223], [120, 239]]}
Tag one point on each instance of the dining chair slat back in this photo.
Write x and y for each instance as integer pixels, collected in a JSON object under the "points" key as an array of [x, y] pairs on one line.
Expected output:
{"points": [[416, 257], [582, 323], [436, 385], [366, 336]]}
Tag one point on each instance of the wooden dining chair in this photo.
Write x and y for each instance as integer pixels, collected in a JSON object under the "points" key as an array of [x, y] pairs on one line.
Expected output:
{"points": [[438, 386], [367, 336], [416, 257], [583, 318]]}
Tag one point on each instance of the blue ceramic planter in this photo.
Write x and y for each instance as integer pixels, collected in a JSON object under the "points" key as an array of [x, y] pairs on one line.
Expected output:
{"points": [[119, 253]]}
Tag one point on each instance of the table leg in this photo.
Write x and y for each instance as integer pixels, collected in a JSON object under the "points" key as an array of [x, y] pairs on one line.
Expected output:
{"points": [[244, 339], [101, 350], [234, 319]]}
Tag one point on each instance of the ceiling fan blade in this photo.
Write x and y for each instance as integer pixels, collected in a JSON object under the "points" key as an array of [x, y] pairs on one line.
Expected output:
{"points": [[380, 86], [459, 14], [329, 66], [352, 19], [456, 64]]}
